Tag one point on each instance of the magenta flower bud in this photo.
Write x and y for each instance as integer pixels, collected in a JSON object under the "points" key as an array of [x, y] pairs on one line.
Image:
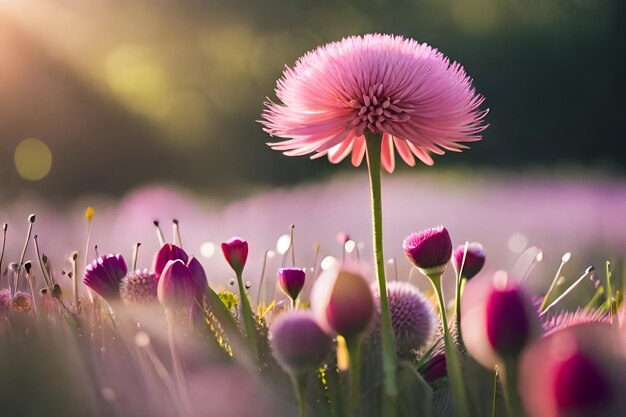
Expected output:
{"points": [[176, 289], [429, 250], [474, 259], [236, 253], [572, 396], [412, 315], [166, 253], [298, 342], [105, 274], [199, 278], [434, 369], [291, 281], [509, 322], [343, 302]]}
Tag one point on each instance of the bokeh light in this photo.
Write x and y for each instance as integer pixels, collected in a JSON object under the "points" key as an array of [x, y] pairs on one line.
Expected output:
{"points": [[33, 159]]}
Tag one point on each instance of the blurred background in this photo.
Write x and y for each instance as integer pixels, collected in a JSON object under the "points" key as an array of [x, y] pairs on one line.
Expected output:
{"points": [[99, 97]]}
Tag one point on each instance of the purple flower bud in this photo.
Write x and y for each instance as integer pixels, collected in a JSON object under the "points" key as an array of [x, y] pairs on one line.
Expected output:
{"points": [[412, 315], [166, 253], [105, 274], [199, 278], [291, 281], [435, 368], [474, 259], [139, 288], [429, 250], [580, 385], [343, 302], [176, 289], [298, 342], [509, 321], [236, 253]]}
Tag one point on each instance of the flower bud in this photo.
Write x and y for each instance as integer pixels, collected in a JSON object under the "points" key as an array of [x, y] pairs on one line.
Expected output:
{"points": [[509, 321], [474, 259], [291, 281], [166, 253], [343, 302], [176, 289], [199, 278], [429, 250], [236, 253], [298, 342], [576, 371], [105, 274]]}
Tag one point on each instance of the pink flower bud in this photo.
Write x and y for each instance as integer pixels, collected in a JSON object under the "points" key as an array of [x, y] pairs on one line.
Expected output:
{"points": [[199, 278], [343, 302], [298, 342], [176, 289], [429, 250], [291, 281], [474, 259], [508, 321], [236, 253], [576, 371], [166, 253]]}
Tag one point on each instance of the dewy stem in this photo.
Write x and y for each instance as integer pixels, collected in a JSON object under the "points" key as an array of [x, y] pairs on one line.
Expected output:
{"points": [[455, 376], [248, 320], [373, 143]]}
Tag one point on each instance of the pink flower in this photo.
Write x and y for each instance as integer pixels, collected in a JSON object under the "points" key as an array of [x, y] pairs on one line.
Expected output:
{"points": [[408, 92], [166, 253], [176, 288], [105, 274], [236, 253], [429, 250]]}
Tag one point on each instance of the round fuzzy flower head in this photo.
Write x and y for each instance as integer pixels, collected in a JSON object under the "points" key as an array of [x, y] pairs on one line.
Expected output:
{"points": [[139, 288], [429, 250], [22, 302], [408, 93], [412, 315]]}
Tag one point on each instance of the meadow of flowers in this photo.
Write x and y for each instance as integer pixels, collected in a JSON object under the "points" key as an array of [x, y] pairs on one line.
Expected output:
{"points": [[122, 313]]}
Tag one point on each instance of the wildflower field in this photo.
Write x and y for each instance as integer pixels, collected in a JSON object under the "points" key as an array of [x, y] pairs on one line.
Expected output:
{"points": [[433, 291]]}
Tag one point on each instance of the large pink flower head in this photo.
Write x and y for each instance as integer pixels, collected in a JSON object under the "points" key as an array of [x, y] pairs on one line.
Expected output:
{"points": [[408, 92]]}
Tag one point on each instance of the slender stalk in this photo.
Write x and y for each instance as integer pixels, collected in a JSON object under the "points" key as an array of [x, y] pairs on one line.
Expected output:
{"points": [[453, 364], [389, 359], [299, 383], [495, 391], [511, 398], [248, 320], [546, 298], [5, 226], [460, 286], [263, 268], [354, 390]]}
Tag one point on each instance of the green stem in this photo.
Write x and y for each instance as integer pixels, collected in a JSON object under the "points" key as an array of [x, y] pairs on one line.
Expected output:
{"points": [[453, 364], [460, 285], [248, 319], [495, 392], [373, 143], [510, 388], [299, 381], [354, 391]]}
